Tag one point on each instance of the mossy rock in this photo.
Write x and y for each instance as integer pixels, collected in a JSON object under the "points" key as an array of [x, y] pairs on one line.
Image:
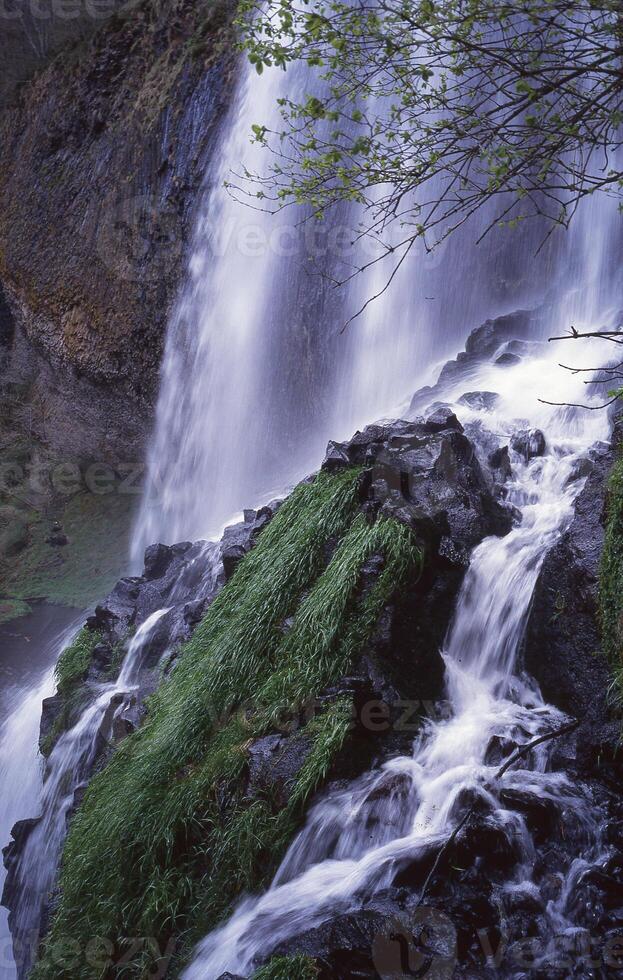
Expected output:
{"points": [[167, 838]]}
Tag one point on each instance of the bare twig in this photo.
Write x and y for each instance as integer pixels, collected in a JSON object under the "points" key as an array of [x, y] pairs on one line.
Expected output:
{"points": [[523, 750]]}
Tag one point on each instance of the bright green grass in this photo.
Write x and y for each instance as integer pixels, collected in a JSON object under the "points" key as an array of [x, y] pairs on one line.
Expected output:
{"points": [[75, 659], [288, 968], [70, 672], [611, 582], [165, 840]]}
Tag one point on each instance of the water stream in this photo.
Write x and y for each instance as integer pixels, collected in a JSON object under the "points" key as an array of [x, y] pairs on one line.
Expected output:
{"points": [[30, 648], [66, 770]]}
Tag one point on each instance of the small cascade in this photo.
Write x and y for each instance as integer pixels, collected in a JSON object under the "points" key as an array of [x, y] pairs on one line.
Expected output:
{"points": [[346, 854], [68, 766], [21, 766], [21, 777]]}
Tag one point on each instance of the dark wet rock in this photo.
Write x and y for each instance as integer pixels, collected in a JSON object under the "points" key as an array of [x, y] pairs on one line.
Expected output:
{"points": [[485, 844], [500, 462], [435, 406], [274, 762], [542, 815], [528, 443], [507, 359], [119, 608], [485, 340], [50, 710], [524, 899], [483, 344], [562, 647], [11, 853], [238, 539], [343, 946], [149, 600], [425, 473], [480, 400], [443, 418], [193, 612], [158, 557], [452, 552], [499, 750], [581, 468]]}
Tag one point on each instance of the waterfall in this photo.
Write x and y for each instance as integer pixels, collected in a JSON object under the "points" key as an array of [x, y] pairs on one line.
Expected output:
{"points": [[240, 408], [262, 365], [257, 375]]}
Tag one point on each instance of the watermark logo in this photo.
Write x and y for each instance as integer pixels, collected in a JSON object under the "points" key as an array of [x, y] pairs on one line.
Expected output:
{"points": [[419, 944]]}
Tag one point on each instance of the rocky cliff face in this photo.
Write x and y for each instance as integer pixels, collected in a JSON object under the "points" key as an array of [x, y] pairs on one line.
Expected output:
{"points": [[103, 152], [102, 157]]}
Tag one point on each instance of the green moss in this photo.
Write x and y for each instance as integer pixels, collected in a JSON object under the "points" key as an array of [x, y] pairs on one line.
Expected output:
{"points": [[12, 609], [288, 968], [70, 672], [611, 571], [75, 659], [165, 840], [97, 527]]}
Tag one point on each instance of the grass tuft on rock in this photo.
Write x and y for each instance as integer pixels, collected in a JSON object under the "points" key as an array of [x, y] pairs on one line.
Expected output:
{"points": [[166, 838], [75, 660], [70, 672], [288, 968]]}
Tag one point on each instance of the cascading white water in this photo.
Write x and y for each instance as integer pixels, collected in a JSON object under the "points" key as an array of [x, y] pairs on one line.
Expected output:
{"points": [[341, 855], [237, 416], [66, 769], [20, 777], [21, 766]]}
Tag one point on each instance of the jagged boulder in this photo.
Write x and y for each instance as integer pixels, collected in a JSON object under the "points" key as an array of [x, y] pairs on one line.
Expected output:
{"points": [[274, 763], [528, 443], [425, 473], [480, 400]]}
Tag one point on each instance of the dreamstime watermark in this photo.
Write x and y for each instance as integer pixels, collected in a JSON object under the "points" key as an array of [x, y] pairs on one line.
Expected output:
{"points": [[44, 11], [100, 954], [140, 236], [65, 479]]}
